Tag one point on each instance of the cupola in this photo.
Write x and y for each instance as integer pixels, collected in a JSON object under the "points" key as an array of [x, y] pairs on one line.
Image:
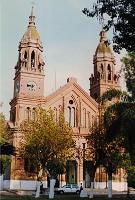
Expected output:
{"points": [[31, 35], [103, 47]]}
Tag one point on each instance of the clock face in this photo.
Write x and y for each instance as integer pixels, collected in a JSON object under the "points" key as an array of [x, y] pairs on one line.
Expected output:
{"points": [[31, 86], [17, 87]]}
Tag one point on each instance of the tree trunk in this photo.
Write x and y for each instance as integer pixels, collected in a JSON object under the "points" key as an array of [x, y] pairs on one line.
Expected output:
{"points": [[1, 182], [92, 176], [91, 190], [38, 189], [109, 185], [51, 192]]}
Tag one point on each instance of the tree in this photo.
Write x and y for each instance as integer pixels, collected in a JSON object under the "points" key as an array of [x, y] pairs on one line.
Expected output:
{"points": [[130, 170], [4, 133], [120, 15], [47, 143], [102, 152], [6, 149], [129, 72], [120, 118]]}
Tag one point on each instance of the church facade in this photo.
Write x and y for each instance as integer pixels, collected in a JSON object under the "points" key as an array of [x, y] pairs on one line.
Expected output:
{"points": [[80, 108]]}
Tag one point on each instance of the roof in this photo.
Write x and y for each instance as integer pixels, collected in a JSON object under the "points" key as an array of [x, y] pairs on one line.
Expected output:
{"points": [[103, 46], [31, 33], [72, 83]]}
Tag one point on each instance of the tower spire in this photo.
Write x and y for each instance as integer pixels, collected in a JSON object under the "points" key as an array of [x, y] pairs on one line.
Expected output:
{"points": [[32, 17], [103, 35]]}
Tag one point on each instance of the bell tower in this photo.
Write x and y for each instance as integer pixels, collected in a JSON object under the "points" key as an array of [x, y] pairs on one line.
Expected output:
{"points": [[104, 76], [29, 74]]}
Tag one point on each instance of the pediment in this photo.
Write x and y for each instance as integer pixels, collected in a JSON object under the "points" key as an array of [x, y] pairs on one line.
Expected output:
{"points": [[71, 91]]}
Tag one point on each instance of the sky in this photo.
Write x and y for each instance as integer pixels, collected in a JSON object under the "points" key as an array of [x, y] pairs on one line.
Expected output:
{"points": [[69, 39]]}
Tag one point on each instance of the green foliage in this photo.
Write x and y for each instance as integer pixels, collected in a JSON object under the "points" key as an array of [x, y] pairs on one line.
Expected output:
{"points": [[4, 163], [129, 72], [119, 118], [130, 169], [114, 94], [3, 129], [131, 176], [55, 167], [45, 141], [104, 152], [119, 15], [6, 149]]}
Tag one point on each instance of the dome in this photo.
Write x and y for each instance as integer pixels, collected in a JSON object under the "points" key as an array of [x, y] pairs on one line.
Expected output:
{"points": [[31, 33], [103, 47]]}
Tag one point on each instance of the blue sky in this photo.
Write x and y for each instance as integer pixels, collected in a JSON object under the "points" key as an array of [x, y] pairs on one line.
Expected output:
{"points": [[68, 36]]}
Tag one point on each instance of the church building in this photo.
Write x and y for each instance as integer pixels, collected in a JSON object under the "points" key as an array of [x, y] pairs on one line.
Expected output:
{"points": [[80, 108]]}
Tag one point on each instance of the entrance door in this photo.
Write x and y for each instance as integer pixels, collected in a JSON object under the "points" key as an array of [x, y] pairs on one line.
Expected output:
{"points": [[71, 172]]}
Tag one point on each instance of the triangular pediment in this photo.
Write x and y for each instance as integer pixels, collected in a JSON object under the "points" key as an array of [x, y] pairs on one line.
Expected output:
{"points": [[71, 90]]}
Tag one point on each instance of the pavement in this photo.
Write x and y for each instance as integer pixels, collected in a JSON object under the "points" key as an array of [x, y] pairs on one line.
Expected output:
{"points": [[97, 192], [7, 193]]}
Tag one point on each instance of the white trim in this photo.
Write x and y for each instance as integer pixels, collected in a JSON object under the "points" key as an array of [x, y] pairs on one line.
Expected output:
{"points": [[117, 186], [31, 185]]}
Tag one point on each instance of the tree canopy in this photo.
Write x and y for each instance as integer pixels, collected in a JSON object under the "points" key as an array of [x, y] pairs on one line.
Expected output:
{"points": [[104, 152], [120, 118], [46, 142], [129, 72], [121, 16], [3, 129], [6, 149]]}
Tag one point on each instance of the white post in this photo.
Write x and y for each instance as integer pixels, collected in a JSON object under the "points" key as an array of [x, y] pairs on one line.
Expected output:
{"points": [[1, 182], [38, 189], [109, 188], [91, 190], [51, 192]]}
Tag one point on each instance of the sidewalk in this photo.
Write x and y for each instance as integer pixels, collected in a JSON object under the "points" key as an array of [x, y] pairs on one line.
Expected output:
{"points": [[105, 192], [7, 193], [97, 192]]}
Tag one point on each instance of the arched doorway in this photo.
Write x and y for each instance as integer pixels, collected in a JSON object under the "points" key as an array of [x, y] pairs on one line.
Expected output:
{"points": [[71, 171]]}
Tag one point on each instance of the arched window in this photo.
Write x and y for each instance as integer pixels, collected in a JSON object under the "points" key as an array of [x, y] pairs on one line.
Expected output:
{"points": [[25, 55], [109, 72], [69, 115], [73, 117], [13, 115], [102, 72], [33, 59], [76, 117], [84, 117], [25, 58], [89, 125], [33, 114], [27, 113], [102, 67]]}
